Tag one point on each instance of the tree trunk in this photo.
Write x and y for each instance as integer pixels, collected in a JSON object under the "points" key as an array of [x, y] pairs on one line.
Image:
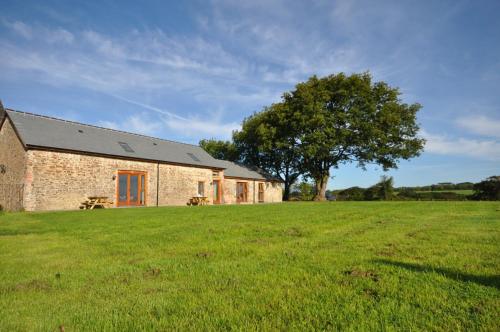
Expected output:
{"points": [[321, 184], [286, 191]]}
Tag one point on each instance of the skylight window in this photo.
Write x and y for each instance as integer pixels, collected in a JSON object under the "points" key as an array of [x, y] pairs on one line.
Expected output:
{"points": [[193, 156], [126, 147]]}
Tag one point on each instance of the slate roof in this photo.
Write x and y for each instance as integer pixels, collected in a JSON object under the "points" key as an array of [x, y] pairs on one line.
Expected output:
{"points": [[46, 132], [39, 131], [242, 171]]}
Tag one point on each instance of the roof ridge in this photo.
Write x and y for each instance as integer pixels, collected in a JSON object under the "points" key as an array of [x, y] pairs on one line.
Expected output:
{"points": [[99, 127]]}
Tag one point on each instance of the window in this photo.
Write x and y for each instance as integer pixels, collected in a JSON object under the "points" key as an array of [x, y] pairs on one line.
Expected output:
{"points": [[215, 173], [201, 189], [241, 192], [193, 157], [126, 147], [261, 192]]}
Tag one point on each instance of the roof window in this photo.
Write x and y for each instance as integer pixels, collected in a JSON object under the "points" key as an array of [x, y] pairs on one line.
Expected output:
{"points": [[126, 147], [193, 156]]}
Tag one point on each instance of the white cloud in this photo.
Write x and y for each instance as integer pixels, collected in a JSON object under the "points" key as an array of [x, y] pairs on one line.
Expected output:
{"points": [[186, 126], [51, 36], [483, 149], [139, 124], [480, 125], [20, 28], [59, 35], [206, 128]]}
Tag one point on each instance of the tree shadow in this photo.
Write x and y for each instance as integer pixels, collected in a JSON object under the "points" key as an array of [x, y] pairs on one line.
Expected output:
{"points": [[488, 280]]}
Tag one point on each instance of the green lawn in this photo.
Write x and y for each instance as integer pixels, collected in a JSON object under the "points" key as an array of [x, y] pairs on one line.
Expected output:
{"points": [[297, 266]]}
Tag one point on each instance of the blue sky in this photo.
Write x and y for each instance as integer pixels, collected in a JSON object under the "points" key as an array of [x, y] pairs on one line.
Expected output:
{"points": [[192, 70]]}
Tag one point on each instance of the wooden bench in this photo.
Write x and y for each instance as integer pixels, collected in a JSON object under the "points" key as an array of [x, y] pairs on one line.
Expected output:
{"points": [[198, 200], [96, 201]]}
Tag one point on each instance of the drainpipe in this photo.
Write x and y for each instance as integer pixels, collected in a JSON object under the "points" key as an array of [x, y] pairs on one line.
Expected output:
{"points": [[157, 183]]}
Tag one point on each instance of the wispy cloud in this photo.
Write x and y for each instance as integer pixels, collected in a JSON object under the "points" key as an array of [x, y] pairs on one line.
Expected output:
{"points": [[166, 120], [478, 148], [480, 125], [141, 123], [20, 28], [40, 33]]}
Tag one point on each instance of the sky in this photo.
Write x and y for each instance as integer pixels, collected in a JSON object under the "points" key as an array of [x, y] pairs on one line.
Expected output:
{"points": [[187, 70]]}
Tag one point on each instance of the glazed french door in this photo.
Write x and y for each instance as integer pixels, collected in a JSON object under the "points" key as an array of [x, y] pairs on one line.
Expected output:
{"points": [[131, 188]]}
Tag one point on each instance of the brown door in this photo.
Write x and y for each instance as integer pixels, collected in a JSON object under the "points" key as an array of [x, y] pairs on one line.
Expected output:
{"points": [[241, 192], [131, 188], [261, 192], [217, 192]]}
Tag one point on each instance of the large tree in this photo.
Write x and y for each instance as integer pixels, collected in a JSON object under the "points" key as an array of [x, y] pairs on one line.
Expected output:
{"points": [[225, 150], [270, 140], [488, 190], [346, 119]]}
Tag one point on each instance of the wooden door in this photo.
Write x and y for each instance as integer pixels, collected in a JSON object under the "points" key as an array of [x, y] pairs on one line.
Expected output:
{"points": [[217, 192], [261, 192], [131, 188], [241, 192]]}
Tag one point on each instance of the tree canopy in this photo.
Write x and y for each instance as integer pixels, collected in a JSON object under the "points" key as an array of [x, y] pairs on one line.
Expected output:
{"points": [[487, 190], [346, 119], [322, 124], [270, 140], [225, 150]]}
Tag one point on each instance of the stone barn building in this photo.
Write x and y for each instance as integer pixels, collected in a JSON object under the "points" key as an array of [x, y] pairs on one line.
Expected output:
{"points": [[53, 164]]}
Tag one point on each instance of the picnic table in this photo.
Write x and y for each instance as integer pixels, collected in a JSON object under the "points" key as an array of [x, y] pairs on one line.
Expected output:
{"points": [[198, 200], [96, 201]]}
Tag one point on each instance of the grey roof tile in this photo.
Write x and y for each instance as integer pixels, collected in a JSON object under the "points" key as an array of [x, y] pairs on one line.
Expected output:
{"points": [[41, 131], [243, 171]]}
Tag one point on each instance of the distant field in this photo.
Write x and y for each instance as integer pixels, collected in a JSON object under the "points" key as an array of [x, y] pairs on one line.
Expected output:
{"points": [[301, 266], [459, 192]]}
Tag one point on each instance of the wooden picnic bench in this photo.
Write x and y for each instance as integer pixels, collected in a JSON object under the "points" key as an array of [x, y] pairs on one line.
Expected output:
{"points": [[96, 201], [198, 200]]}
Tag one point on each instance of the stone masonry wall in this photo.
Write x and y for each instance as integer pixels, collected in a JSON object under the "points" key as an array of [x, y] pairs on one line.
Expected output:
{"points": [[13, 159], [273, 191], [229, 190], [61, 181], [179, 184]]}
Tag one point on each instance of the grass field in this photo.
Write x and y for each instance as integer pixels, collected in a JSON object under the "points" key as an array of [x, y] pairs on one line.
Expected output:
{"points": [[298, 266]]}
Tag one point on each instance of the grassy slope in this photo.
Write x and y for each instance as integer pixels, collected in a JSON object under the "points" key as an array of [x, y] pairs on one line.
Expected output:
{"points": [[357, 265]]}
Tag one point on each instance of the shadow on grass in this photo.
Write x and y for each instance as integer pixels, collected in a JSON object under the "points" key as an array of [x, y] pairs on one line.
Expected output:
{"points": [[489, 281]]}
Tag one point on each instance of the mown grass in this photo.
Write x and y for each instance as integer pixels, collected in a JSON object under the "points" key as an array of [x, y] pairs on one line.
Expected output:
{"points": [[298, 266]]}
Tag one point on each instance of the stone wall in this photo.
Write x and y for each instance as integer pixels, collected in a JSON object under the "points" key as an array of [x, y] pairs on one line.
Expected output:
{"points": [[61, 181], [13, 159], [229, 190], [273, 192], [178, 184]]}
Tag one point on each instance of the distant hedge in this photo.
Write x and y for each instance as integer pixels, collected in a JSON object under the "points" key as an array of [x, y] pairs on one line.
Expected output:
{"points": [[431, 196], [361, 194]]}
